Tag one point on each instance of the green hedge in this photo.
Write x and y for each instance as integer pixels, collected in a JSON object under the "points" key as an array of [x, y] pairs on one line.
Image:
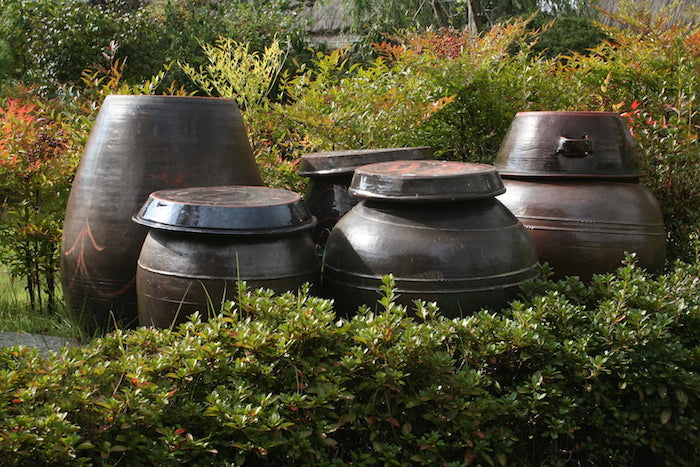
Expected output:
{"points": [[605, 373]]}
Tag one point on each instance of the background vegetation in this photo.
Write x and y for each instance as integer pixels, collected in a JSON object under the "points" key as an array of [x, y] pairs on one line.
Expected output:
{"points": [[602, 373]]}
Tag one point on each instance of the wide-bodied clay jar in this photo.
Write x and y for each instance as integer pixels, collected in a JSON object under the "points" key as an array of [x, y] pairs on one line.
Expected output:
{"points": [[573, 180], [140, 144], [204, 240], [437, 227]]}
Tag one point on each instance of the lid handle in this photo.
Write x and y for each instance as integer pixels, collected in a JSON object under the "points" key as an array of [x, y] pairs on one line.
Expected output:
{"points": [[571, 147]]}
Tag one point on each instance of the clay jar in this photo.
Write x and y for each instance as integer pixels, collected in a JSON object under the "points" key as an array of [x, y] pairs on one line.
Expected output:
{"points": [[203, 240], [140, 144], [573, 180], [330, 174], [438, 228]]}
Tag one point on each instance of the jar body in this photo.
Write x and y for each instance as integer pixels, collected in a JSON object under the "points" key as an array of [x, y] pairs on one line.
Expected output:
{"points": [[140, 144], [584, 227], [328, 200], [464, 255], [330, 175], [180, 273]]}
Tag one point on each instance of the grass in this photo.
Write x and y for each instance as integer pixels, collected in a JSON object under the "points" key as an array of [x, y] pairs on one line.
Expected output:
{"points": [[16, 314]]}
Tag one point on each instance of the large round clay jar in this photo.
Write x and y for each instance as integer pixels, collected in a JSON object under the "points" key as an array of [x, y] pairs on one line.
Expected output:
{"points": [[140, 144], [202, 241], [584, 227], [330, 174], [573, 180], [438, 228]]}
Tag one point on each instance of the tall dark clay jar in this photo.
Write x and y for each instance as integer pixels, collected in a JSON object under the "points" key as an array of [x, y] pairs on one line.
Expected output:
{"points": [[202, 241], [438, 228], [330, 174], [573, 180], [140, 144]]}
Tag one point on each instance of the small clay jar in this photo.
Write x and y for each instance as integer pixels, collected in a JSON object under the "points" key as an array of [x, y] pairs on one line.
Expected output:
{"points": [[202, 241]]}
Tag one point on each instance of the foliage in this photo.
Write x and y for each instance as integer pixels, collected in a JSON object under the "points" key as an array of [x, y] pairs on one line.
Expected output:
{"points": [[489, 84], [10, 40], [670, 150], [339, 105], [375, 22], [393, 15], [566, 35], [187, 24], [51, 42], [233, 72], [107, 79], [277, 143], [605, 373], [17, 315], [38, 159], [59, 39]]}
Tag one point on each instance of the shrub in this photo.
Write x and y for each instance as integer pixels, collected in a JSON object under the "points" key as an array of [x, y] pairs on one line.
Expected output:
{"points": [[61, 39], [338, 105], [186, 24], [277, 143], [605, 373], [50, 43], [670, 151], [489, 84], [234, 72], [568, 34], [38, 157]]}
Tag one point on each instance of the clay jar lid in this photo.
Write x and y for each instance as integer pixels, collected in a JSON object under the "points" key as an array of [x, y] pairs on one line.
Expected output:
{"points": [[230, 210], [421, 181], [345, 162], [568, 144]]}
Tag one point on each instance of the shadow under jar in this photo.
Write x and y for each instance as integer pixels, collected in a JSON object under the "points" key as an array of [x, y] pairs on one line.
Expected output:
{"points": [[203, 240], [438, 228], [573, 180]]}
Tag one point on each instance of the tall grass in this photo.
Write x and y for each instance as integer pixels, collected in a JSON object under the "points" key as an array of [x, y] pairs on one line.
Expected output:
{"points": [[16, 314]]}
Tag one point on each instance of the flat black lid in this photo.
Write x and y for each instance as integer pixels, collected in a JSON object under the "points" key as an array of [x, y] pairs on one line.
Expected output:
{"points": [[232, 210], [419, 181], [345, 162]]}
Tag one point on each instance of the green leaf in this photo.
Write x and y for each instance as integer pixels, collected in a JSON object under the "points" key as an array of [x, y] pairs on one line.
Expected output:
{"points": [[665, 416]]}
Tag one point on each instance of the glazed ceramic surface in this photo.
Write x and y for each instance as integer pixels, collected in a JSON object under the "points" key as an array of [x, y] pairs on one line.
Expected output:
{"points": [[140, 144], [584, 227], [573, 179], [202, 241], [437, 227], [330, 174], [568, 144]]}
